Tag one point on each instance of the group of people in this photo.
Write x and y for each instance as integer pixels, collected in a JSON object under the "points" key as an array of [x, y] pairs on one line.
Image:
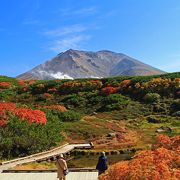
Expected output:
{"points": [[62, 169]]}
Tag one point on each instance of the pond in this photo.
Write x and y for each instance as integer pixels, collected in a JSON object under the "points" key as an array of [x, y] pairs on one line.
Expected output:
{"points": [[90, 161]]}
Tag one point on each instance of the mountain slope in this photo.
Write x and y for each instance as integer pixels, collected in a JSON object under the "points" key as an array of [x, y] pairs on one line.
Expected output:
{"points": [[86, 64]]}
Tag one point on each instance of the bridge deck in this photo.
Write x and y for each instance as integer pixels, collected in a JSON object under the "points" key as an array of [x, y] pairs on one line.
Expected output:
{"points": [[49, 176], [42, 156]]}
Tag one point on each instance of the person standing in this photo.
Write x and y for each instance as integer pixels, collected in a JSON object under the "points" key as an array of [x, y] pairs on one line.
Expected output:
{"points": [[62, 168], [102, 163]]}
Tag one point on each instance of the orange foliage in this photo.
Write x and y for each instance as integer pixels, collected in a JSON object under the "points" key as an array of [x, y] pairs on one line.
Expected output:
{"points": [[109, 90], [96, 82], [22, 82], [5, 84], [47, 95], [4, 107], [125, 83], [3, 122], [57, 107], [25, 83], [23, 113], [159, 164], [71, 84], [31, 115]]}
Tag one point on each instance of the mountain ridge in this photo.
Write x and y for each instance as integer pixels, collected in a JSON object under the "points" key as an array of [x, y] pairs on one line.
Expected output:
{"points": [[73, 64]]}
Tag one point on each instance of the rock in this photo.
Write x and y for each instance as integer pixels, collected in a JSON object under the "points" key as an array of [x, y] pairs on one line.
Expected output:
{"points": [[177, 114], [158, 108], [94, 113], [164, 129], [112, 135], [153, 120]]}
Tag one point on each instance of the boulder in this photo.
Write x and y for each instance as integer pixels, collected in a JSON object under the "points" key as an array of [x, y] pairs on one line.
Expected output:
{"points": [[177, 114], [153, 120], [164, 129]]}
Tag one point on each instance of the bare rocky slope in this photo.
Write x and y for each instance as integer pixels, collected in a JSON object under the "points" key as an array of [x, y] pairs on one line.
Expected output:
{"points": [[73, 64]]}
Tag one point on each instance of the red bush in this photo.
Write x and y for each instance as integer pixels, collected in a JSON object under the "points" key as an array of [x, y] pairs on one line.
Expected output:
{"points": [[47, 95], [159, 164], [31, 115], [109, 90], [125, 83], [22, 82], [3, 122], [5, 85], [23, 113]]}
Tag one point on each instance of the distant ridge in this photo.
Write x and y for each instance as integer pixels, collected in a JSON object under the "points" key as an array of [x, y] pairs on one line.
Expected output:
{"points": [[73, 64]]}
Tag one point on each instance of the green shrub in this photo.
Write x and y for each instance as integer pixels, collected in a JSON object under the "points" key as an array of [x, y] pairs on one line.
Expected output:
{"points": [[70, 116], [175, 106], [114, 102], [152, 97], [115, 98], [64, 116], [19, 138], [6, 94], [75, 100]]}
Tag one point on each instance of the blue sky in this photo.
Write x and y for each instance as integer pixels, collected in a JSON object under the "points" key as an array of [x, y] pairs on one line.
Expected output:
{"points": [[33, 31]]}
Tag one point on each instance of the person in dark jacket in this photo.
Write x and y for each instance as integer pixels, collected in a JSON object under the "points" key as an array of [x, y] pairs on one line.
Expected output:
{"points": [[102, 163]]}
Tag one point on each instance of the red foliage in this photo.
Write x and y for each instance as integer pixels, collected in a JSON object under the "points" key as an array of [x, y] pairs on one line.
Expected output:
{"points": [[5, 84], [3, 122], [30, 82], [159, 164], [57, 107], [125, 83], [4, 108], [7, 106], [22, 82], [109, 90], [52, 90], [31, 115], [47, 95], [25, 83], [23, 113]]}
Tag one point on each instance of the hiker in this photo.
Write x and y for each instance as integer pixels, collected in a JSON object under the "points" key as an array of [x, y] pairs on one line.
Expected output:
{"points": [[62, 168], [102, 163]]}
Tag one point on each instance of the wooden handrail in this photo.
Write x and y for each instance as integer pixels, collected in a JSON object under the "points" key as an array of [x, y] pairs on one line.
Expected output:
{"points": [[34, 155]]}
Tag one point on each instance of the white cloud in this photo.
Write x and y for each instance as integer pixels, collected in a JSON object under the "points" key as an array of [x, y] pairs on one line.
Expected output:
{"points": [[77, 28], [73, 42]]}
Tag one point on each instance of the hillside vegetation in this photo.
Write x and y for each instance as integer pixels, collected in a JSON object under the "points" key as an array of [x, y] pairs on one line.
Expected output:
{"points": [[114, 113]]}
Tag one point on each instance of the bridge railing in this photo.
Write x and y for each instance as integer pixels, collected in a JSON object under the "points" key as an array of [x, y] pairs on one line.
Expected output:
{"points": [[51, 170], [34, 155]]}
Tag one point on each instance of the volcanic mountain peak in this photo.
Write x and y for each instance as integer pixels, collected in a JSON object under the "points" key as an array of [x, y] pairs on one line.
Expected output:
{"points": [[73, 64]]}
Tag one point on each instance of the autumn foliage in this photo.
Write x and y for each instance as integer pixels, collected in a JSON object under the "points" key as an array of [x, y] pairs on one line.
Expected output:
{"points": [[23, 113], [5, 85], [57, 107], [162, 163], [32, 116], [109, 90]]}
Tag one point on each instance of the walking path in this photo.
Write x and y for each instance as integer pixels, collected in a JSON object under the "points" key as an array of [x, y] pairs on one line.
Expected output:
{"points": [[49, 176], [43, 156]]}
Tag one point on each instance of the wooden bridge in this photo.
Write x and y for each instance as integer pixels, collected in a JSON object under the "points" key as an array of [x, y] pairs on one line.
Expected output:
{"points": [[51, 155]]}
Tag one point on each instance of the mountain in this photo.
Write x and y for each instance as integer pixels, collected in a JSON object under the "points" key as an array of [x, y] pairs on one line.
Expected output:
{"points": [[73, 64]]}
